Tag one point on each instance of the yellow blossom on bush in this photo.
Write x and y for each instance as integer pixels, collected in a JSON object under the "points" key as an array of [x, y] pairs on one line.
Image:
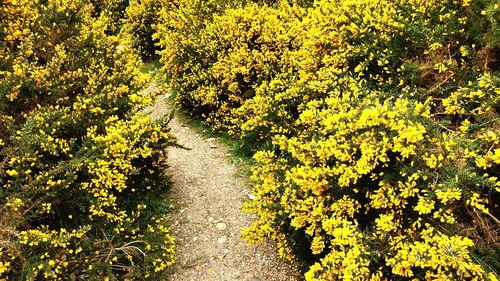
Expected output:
{"points": [[78, 157], [374, 124]]}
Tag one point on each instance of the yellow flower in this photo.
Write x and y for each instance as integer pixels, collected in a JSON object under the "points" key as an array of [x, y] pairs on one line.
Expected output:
{"points": [[12, 173]]}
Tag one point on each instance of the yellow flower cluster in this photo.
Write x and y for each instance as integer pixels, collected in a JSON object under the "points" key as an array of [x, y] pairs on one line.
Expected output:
{"points": [[177, 32], [140, 19], [258, 38], [379, 123], [113, 10], [81, 178], [437, 253], [475, 99]]}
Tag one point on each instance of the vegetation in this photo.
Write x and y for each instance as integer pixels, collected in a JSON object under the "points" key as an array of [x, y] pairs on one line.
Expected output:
{"points": [[140, 19], [374, 126], [378, 123], [80, 163]]}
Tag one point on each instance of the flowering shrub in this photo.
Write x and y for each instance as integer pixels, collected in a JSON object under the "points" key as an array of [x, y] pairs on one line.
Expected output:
{"points": [[365, 179], [240, 52], [80, 164], [380, 121], [141, 17], [114, 10], [178, 35]]}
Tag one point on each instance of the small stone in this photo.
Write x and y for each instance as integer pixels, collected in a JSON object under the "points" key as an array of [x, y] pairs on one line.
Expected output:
{"points": [[211, 140], [210, 219], [254, 278], [251, 196], [222, 240], [212, 145], [195, 239], [224, 254], [221, 226]]}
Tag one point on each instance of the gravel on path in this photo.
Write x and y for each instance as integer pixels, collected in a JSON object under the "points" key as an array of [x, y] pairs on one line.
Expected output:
{"points": [[206, 216]]}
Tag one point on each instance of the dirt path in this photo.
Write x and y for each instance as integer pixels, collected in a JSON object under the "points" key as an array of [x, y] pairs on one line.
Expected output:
{"points": [[206, 219]]}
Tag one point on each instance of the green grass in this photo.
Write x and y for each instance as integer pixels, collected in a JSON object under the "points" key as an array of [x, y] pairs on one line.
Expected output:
{"points": [[151, 66]]}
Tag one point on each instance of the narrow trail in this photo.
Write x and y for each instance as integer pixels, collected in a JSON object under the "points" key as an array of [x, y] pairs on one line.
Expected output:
{"points": [[206, 219]]}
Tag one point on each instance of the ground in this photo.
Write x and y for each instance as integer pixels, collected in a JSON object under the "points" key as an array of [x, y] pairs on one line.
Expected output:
{"points": [[206, 219]]}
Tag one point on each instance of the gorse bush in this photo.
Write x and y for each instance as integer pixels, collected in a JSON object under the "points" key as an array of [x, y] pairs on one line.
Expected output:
{"points": [[379, 123], [141, 17], [258, 44], [178, 28], [79, 161], [114, 10]]}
